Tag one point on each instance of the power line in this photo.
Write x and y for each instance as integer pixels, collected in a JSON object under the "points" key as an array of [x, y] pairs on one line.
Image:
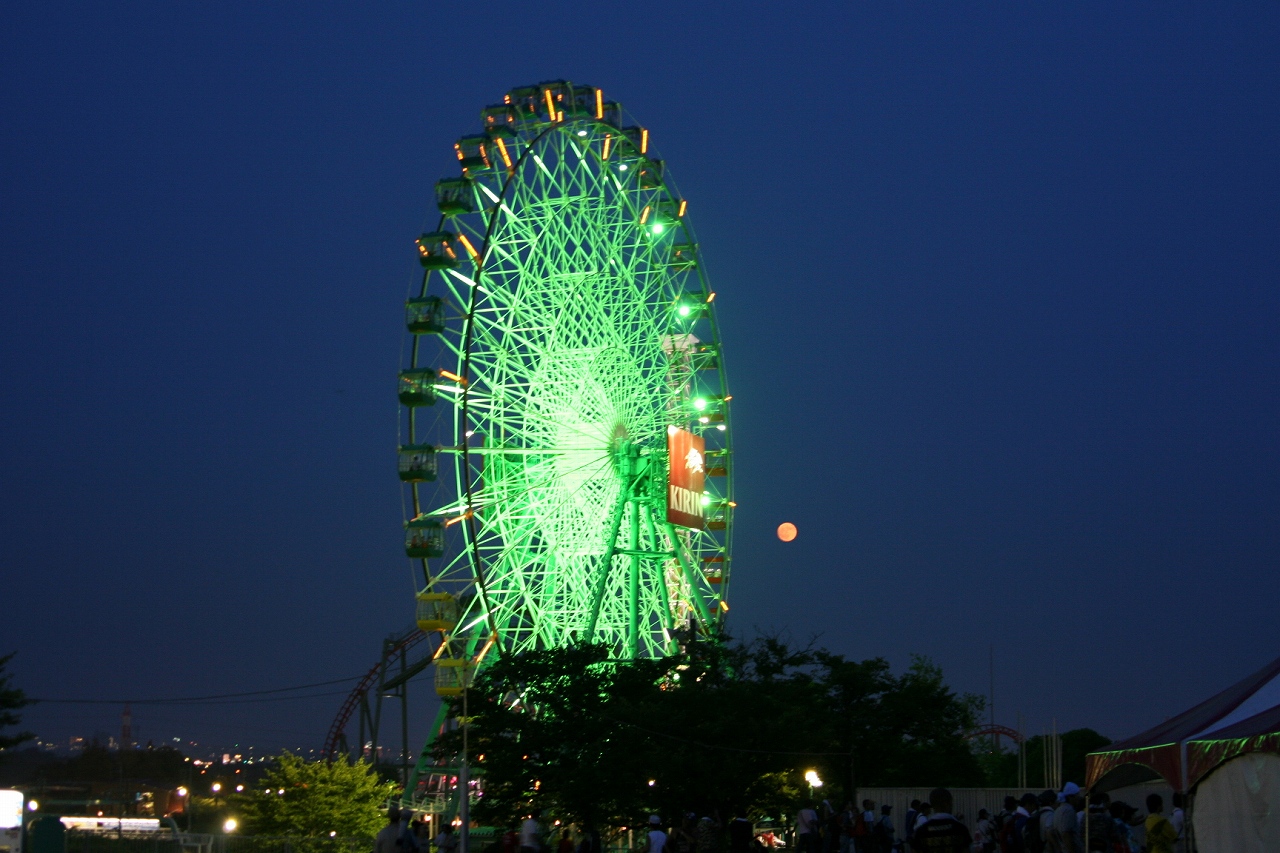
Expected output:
{"points": [[216, 696]]}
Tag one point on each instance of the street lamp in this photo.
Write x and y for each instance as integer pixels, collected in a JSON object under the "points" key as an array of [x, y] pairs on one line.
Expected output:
{"points": [[811, 776]]}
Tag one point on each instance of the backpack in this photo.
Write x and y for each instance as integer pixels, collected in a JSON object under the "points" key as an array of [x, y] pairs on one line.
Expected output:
{"points": [[1008, 829], [1031, 834]]}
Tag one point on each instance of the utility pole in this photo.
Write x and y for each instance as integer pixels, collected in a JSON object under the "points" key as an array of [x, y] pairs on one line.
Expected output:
{"points": [[991, 664]]}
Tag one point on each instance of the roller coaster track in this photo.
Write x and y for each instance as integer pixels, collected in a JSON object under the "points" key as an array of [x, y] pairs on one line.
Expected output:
{"points": [[358, 693]]}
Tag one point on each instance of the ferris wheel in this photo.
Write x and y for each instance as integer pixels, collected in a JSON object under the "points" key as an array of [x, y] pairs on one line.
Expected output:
{"points": [[565, 435]]}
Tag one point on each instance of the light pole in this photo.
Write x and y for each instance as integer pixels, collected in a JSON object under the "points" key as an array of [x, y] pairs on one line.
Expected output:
{"points": [[464, 772], [185, 794], [811, 776]]}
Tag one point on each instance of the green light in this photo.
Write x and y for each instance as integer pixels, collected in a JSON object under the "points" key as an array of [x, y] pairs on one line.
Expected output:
{"points": [[706, 500], [657, 228], [700, 403], [684, 310]]}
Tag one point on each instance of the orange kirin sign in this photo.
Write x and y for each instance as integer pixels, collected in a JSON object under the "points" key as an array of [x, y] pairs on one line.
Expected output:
{"points": [[686, 472]]}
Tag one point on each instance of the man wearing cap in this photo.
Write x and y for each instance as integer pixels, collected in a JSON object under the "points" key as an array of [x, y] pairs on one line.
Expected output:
{"points": [[1066, 826], [657, 838]]}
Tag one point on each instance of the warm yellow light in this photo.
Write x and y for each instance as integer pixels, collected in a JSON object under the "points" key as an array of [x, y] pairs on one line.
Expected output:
{"points": [[608, 142], [32, 805], [230, 824], [471, 250], [787, 531], [182, 791], [551, 105], [216, 787], [684, 205], [599, 103], [644, 140], [451, 375], [811, 776], [644, 215], [502, 149]]}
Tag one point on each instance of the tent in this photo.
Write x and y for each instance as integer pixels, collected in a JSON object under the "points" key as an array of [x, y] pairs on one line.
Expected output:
{"points": [[1225, 751]]}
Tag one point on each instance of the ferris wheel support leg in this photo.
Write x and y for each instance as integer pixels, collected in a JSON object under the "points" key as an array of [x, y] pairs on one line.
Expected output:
{"points": [[425, 758], [633, 593], [602, 572], [694, 592], [668, 623]]}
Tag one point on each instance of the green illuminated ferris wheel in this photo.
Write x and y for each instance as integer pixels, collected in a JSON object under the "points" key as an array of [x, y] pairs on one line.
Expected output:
{"points": [[566, 445]]}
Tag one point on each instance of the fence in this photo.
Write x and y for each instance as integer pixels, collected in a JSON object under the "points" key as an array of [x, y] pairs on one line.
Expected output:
{"points": [[88, 842]]}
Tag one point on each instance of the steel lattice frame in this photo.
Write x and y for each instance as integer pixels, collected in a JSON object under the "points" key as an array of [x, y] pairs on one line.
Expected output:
{"points": [[578, 329]]}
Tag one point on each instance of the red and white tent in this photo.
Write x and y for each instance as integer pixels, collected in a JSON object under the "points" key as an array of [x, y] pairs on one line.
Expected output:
{"points": [[1225, 751]]}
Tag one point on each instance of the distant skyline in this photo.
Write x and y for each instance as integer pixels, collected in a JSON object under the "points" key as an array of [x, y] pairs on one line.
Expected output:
{"points": [[997, 286]]}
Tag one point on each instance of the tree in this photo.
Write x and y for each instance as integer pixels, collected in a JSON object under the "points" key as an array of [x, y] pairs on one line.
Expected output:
{"points": [[717, 728], [314, 799], [552, 732], [11, 701]]}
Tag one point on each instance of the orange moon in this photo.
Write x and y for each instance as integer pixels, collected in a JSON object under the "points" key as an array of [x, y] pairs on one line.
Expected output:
{"points": [[787, 531]]}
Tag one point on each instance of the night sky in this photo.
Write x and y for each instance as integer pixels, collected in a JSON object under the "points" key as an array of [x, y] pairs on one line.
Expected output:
{"points": [[997, 284]]}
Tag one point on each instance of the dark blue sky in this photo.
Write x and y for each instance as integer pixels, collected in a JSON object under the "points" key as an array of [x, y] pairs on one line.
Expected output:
{"points": [[997, 284]]}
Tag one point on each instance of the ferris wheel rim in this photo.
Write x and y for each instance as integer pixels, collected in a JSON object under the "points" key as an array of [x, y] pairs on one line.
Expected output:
{"points": [[467, 503]]}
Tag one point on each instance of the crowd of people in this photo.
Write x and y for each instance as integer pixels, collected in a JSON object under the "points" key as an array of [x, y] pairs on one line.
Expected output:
{"points": [[1048, 822], [1060, 822]]}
